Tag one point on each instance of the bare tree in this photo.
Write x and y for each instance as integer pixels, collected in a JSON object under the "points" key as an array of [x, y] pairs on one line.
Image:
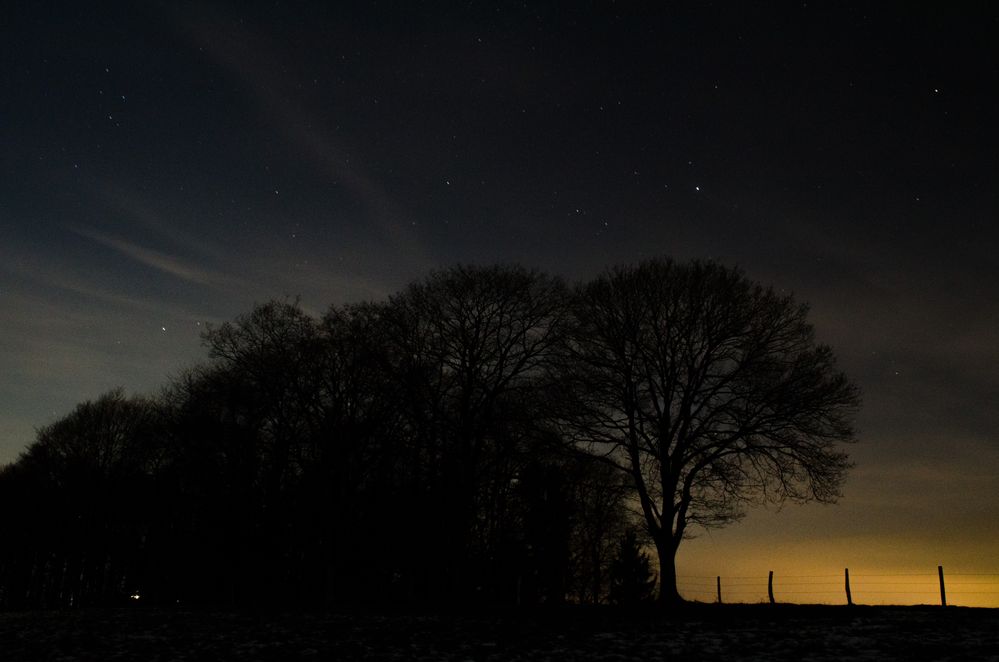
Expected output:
{"points": [[602, 514], [90, 474], [471, 346], [274, 354], [709, 391]]}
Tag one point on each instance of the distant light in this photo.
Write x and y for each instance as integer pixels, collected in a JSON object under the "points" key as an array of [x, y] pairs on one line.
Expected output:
{"points": [[697, 188], [135, 596]]}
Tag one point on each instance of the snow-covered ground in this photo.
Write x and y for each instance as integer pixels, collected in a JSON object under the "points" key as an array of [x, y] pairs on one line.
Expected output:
{"points": [[731, 632]]}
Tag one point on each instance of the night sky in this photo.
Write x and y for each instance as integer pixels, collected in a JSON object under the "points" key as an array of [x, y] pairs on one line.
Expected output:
{"points": [[166, 166]]}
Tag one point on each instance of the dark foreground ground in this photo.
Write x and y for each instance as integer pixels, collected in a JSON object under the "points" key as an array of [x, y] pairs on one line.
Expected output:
{"points": [[730, 632]]}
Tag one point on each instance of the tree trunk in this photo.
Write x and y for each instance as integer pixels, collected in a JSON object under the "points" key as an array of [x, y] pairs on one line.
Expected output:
{"points": [[668, 595]]}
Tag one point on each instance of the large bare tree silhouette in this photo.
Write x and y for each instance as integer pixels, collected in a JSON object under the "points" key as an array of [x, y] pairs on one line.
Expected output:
{"points": [[708, 391]]}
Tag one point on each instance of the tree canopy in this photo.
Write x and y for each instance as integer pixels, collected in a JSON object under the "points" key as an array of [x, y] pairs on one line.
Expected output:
{"points": [[482, 436], [709, 391]]}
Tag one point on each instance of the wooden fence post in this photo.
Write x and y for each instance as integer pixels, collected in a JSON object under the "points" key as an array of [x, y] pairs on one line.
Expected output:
{"points": [[719, 589], [770, 586], [849, 596], [943, 591]]}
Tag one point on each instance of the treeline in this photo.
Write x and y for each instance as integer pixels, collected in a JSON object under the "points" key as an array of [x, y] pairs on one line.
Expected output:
{"points": [[402, 452]]}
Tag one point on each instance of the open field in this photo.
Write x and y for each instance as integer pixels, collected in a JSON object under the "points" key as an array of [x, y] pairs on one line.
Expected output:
{"points": [[739, 632]]}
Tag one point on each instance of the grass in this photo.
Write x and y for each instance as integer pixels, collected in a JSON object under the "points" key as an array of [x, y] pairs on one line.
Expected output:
{"points": [[698, 631]]}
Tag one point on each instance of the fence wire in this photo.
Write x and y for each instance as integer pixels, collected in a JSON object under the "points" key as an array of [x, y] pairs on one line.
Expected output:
{"points": [[980, 588]]}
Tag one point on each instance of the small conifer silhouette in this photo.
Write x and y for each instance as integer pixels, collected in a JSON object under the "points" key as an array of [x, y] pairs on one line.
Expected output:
{"points": [[632, 580]]}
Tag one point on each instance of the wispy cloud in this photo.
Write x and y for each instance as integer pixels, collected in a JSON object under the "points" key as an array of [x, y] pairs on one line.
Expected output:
{"points": [[157, 216], [168, 264], [252, 59]]}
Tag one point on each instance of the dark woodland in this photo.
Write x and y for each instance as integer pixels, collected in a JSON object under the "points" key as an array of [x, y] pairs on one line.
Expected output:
{"points": [[487, 436]]}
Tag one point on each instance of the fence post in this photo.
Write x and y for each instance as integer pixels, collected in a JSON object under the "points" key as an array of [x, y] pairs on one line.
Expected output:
{"points": [[849, 596], [943, 591], [770, 586], [719, 589]]}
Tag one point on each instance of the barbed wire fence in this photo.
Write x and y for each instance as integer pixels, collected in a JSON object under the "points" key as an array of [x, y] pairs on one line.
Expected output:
{"points": [[845, 588]]}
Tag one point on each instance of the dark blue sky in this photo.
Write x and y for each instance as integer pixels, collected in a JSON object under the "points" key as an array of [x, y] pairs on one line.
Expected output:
{"points": [[168, 165]]}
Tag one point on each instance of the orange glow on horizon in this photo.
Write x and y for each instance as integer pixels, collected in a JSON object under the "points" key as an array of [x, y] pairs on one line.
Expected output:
{"points": [[808, 548], [867, 587]]}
